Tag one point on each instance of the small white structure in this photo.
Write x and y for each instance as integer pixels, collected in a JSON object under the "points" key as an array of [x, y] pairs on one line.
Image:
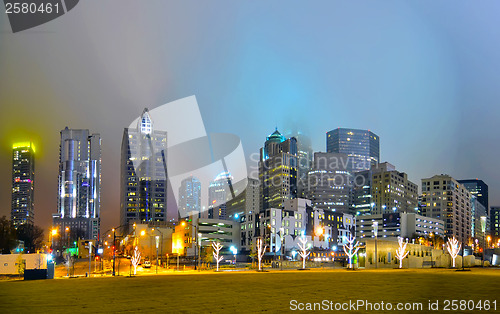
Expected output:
{"points": [[9, 262]]}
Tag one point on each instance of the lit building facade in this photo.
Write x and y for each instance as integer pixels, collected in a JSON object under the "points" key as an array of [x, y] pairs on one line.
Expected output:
{"points": [[495, 223], [477, 188], [23, 184], [445, 198], [278, 170], [246, 202], [220, 191], [143, 181], [330, 182], [362, 147], [391, 191], [190, 196], [398, 224], [304, 159], [79, 197]]}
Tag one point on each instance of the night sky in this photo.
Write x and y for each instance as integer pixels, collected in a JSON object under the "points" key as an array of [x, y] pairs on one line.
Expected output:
{"points": [[423, 75]]}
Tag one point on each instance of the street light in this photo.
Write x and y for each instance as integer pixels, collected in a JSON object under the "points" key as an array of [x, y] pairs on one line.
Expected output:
{"points": [[234, 250], [282, 231], [53, 233], [157, 238]]}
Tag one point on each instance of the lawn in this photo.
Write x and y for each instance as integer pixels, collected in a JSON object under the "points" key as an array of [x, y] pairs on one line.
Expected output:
{"points": [[238, 292]]}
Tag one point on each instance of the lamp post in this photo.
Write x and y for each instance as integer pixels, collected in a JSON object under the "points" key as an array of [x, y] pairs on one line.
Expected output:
{"points": [[161, 245], [90, 256], [114, 250], [375, 233], [53, 234], [234, 250], [199, 251], [157, 238], [282, 231], [483, 229]]}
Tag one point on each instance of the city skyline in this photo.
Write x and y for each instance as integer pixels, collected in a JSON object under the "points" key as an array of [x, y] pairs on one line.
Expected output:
{"points": [[430, 99]]}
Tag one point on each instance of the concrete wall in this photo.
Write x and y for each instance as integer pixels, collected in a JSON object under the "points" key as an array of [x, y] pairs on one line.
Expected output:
{"points": [[419, 256], [9, 262]]}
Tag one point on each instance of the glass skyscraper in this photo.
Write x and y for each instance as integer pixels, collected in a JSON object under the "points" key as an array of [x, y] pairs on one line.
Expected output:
{"points": [[362, 147], [190, 196], [278, 170], [79, 198], [23, 180], [477, 188], [143, 186]]}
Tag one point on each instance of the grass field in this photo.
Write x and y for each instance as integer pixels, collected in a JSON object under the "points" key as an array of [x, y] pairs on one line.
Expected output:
{"points": [[245, 292]]}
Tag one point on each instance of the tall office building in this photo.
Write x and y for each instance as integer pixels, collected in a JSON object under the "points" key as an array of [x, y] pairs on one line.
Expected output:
{"points": [[391, 191], [219, 192], [362, 147], [330, 182], [246, 202], [79, 198], [477, 188], [143, 186], [446, 199], [480, 224], [362, 200], [190, 196], [23, 181], [278, 170], [304, 159]]}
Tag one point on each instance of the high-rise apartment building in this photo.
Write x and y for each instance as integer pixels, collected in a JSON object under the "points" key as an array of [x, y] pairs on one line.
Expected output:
{"points": [[23, 182], [190, 196], [79, 197], [391, 191], [330, 182], [445, 198], [362, 147], [143, 183], [278, 170]]}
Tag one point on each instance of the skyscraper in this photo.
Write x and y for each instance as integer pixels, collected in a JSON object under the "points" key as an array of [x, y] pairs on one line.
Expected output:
{"points": [[190, 196], [362, 147], [477, 188], [143, 184], [329, 181], [219, 192], [78, 206], [23, 181], [304, 159], [278, 170]]}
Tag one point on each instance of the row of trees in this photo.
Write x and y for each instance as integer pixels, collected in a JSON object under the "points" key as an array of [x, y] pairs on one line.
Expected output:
{"points": [[31, 235]]}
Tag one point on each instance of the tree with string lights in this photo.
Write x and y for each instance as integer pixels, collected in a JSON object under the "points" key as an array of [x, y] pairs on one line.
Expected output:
{"points": [[217, 247], [453, 247], [401, 252], [350, 249]]}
